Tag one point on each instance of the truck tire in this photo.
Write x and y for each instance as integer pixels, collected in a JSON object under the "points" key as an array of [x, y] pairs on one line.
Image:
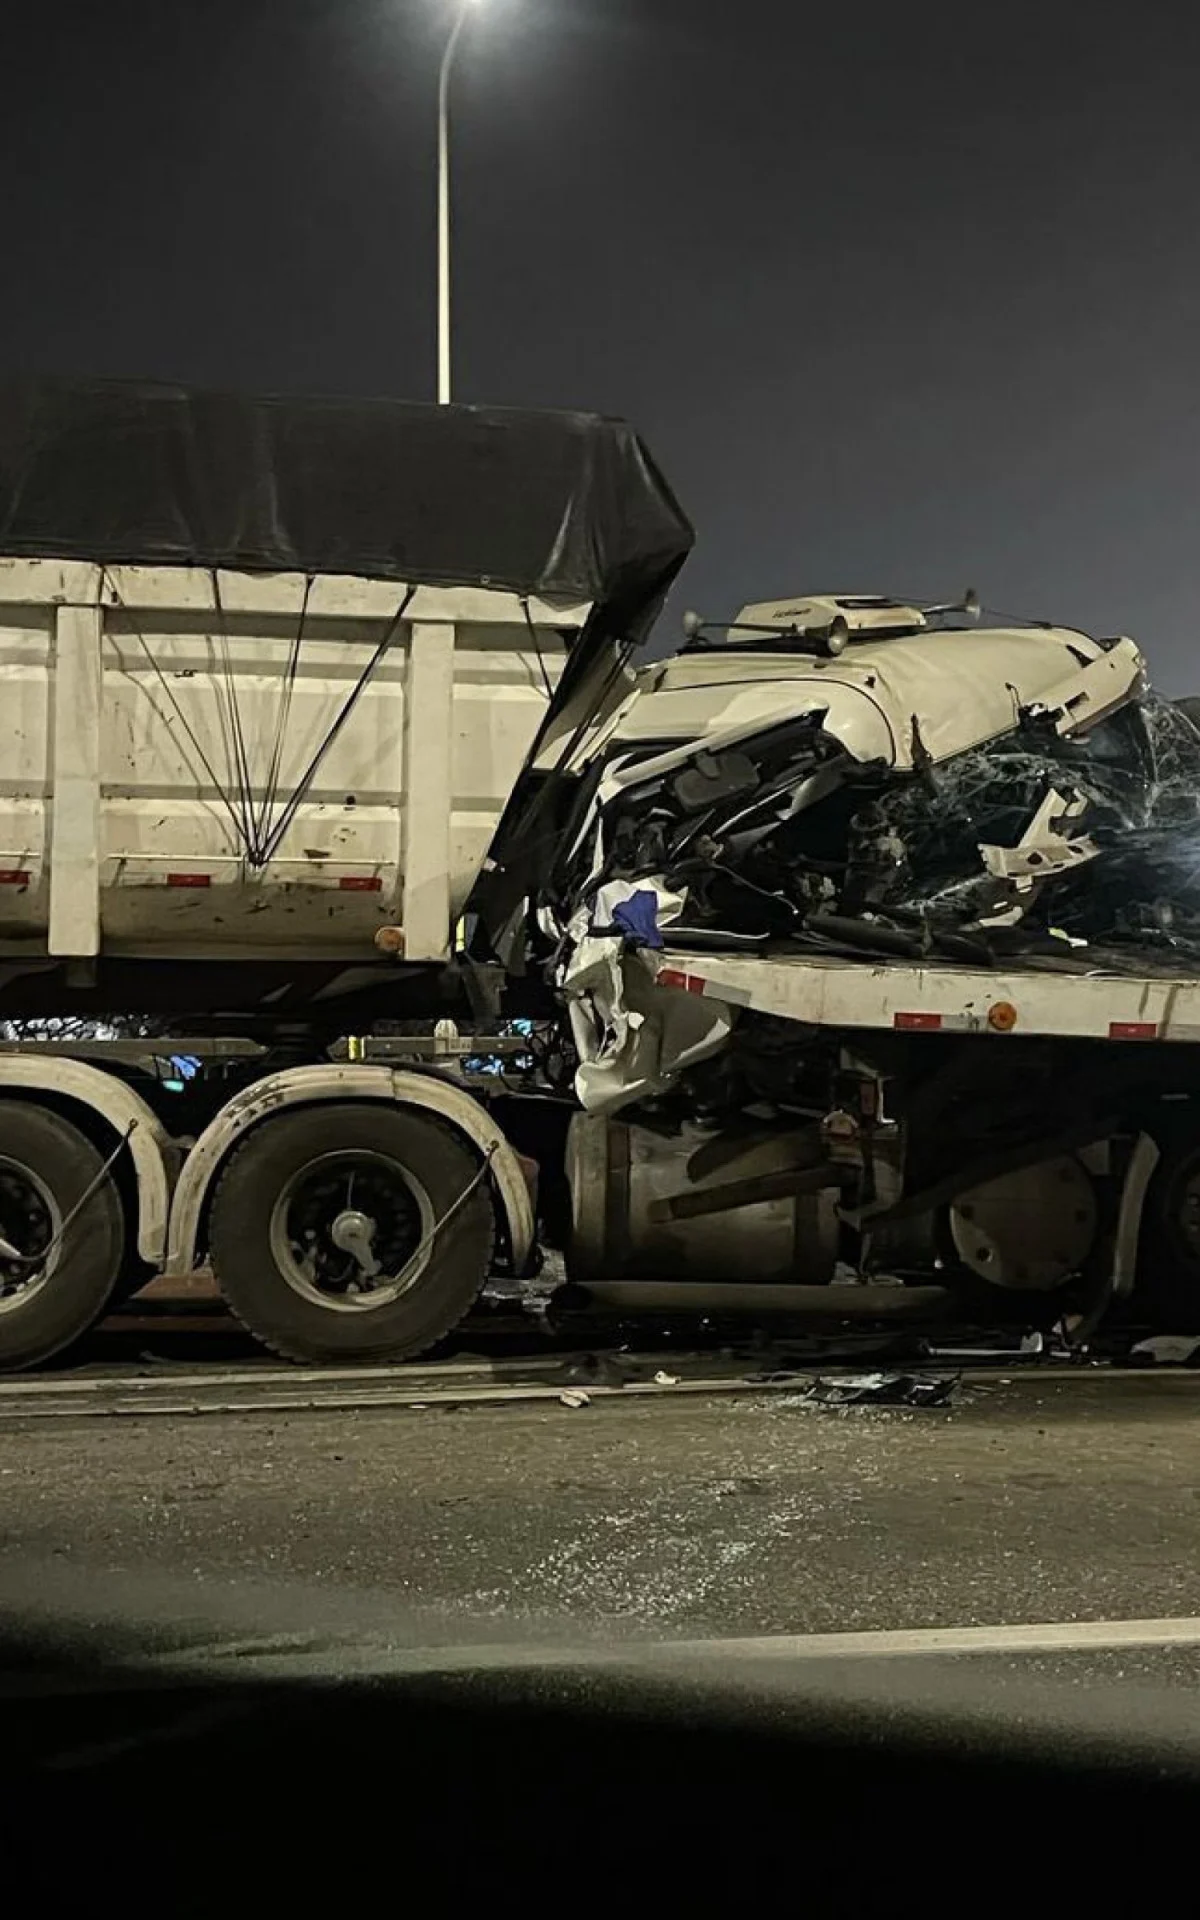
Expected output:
{"points": [[46, 1166], [313, 1191]]}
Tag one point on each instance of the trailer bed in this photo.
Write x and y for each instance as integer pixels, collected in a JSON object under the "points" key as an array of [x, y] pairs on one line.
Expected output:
{"points": [[826, 991]]}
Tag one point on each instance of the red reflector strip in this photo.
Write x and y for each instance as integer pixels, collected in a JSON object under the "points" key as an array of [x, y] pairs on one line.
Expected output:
{"points": [[189, 879], [1133, 1030], [917, 1022], [686, 982], [360, 883], [14, 877]]}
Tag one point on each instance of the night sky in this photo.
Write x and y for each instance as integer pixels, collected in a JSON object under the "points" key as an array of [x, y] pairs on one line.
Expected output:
{"points": [[904, 299]]}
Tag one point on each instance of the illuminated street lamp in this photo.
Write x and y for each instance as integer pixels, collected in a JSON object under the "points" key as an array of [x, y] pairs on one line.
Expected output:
{"points": [[465, 9]]}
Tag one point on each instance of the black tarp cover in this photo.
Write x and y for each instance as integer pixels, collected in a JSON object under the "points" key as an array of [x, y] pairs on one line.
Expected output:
{"points": [[555, 504]]}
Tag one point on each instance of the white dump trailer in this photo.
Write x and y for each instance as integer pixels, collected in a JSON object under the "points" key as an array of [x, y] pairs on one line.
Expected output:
{"points": [[227, 766], [269, 672]]}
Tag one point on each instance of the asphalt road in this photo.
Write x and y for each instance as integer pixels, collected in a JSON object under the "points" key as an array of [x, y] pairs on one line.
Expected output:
{"points": [[1036, 1499], [697, 1551], [558, 1617]]}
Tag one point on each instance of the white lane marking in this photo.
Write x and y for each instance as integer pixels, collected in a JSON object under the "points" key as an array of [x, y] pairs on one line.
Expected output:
{"points": [[1045, 1636], [1054, 1636]]}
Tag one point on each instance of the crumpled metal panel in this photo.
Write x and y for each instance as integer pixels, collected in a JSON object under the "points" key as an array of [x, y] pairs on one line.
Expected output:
{"points": [[1037, 842], [631, 1041]]}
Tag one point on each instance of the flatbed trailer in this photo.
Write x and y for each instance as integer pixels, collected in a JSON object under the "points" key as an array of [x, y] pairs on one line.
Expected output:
{"points": [[1032, 1131], [938, 997]]}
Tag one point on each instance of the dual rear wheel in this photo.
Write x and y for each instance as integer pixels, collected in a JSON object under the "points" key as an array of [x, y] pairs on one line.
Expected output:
{"points": [[356, 1235]]}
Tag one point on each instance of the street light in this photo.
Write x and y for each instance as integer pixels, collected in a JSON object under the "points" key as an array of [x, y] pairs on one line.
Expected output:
{"points": [[465, 9]]}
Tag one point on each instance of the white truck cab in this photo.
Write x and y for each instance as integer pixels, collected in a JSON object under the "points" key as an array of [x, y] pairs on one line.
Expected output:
{"points": [[962, 685]]}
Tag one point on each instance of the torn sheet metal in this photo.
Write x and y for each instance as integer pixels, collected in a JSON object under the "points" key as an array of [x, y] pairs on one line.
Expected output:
{"points": [[631, 1041], [883, 1390], [1045, 847], [1166, 1350]]}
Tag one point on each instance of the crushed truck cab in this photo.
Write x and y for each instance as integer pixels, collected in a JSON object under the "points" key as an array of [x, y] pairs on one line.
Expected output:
{"points": [[854, 772], [899, 694]]}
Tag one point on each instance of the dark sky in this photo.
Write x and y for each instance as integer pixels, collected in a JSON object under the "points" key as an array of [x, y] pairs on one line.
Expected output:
{"points": [[903, 298]]}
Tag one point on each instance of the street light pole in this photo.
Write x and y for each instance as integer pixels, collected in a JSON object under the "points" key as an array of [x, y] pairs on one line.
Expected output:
{"points": [[443, 315]]}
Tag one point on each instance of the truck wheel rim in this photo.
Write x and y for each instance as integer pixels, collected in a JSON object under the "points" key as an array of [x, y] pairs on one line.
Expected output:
{"points": [[29, 1220], [363, 1187]]}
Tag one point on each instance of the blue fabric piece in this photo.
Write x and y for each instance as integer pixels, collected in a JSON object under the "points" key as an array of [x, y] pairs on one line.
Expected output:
{"points": [[637, 919]]}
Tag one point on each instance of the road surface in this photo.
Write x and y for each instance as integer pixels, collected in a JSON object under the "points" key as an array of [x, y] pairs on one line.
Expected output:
{"points": [[1036, 1498]]}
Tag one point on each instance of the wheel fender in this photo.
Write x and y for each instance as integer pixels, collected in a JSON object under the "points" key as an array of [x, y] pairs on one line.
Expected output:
{"points": [[1142, 1163], [305, 1086], [75, 1082]]}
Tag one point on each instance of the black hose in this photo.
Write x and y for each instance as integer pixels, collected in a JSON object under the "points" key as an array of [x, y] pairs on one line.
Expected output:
{"points": [[869, 935]]}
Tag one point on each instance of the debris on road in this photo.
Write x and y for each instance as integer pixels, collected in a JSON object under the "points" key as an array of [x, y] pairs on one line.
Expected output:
{"points": [[884, 1390], [1167, 1350], [663, 1379], [575, 1397]]}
